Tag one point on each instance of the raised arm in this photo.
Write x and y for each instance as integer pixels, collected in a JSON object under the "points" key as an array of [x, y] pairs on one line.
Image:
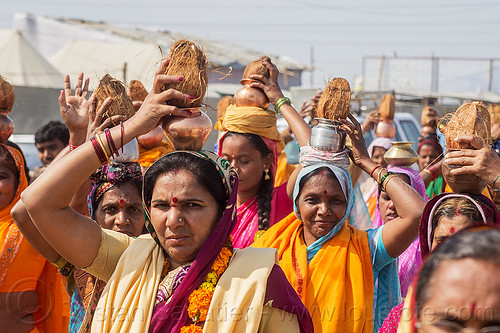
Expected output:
{"points": [[271, 88], [397, 234], [66, 230]]}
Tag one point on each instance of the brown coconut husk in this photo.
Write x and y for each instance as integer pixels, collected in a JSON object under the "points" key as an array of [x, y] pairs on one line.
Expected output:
{"points": [[189, 61], [470, 118], [334, 101], [110, 87], [7, 96], [256, 67], [224, 102], [136, 91], [387, 107], [494, 110], [427, 118]]}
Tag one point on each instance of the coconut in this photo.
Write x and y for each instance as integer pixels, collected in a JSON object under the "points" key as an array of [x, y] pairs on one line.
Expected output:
{"points": [[7, 96], [224, 102], [121, 105], [334, 101], [189, 61], [256, 67], [494, 110], [136, 91], [470, 118], [386, 108], [427, 118]]}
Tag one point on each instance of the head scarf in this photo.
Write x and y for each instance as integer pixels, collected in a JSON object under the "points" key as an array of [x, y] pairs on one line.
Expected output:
{"points": [[486, 207], [271, 145], [385, 143], [346, 185], [173, 314], [432, 142], [109, 176], [22, 183], [415, 181]]}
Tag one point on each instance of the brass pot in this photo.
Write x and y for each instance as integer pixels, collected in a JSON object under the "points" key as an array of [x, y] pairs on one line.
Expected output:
{"points": [[401, 154], [470, 184], [385, 129], [6, 127], [151, 139], [187, 133], [248, 96]]}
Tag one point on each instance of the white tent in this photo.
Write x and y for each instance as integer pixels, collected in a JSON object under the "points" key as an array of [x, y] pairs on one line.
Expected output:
{"points": [[124, 61], [22, 65]]}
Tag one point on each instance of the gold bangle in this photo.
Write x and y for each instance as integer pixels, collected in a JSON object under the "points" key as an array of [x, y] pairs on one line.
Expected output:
{"points": [[59, 263], [379, 176], [102, 147], [386, 181]]}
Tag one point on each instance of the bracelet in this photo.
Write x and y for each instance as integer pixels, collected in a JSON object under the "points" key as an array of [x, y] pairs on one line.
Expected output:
{"points": [[102, 147], [387, 180], [121, 131], [375, 168], [71, 147], [434, 170], [494, 183], [388, 173], [111, 143], [430, 173], [280, 102], [379, 177], [98, 151]]}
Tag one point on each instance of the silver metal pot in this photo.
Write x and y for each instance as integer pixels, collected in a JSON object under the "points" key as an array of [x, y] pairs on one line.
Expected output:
{"points": [[328, 136]]}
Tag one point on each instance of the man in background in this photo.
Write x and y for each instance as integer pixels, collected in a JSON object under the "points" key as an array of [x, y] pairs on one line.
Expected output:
{"points": [[50, 139]]}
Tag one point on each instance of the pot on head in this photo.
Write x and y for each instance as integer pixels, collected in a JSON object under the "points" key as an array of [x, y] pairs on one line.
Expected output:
{"points": [[151, 139], [470, 184], [385, 129], [187, 133]]}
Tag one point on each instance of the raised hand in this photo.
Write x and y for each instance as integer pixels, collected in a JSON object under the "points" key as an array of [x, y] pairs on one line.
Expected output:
{"points": [[359, 155], [270, 86]]}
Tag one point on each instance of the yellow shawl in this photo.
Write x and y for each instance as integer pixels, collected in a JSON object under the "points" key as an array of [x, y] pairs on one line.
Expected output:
{"points": [[337, 285], [254, 120], [127, 302]]}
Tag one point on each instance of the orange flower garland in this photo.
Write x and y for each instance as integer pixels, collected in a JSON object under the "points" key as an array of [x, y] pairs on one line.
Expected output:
{"points": [[200, 298]]}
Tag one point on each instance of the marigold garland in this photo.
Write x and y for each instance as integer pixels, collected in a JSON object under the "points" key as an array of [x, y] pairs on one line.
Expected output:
{"points": [[200, 298]]}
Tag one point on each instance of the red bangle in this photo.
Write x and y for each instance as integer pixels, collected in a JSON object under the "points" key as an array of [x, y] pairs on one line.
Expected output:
{"points": [[122, 130], [111, 143], [375, 168], [98, 150], [434, 171], [71, 147]]}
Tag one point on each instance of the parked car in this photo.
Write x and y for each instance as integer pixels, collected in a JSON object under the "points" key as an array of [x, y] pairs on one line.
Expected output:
{"points": [[407, 129], [27, 144]]}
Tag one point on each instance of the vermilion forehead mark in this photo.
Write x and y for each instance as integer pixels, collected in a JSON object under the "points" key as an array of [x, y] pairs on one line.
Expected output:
{"points": [[325, 192], [174, 199], [472, 307], [452, 230], [122, 202]]}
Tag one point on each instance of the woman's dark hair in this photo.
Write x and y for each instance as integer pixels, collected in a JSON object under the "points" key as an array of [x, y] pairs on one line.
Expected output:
{"points": [[264, 194], [324, 170], [204, 171], [7, 161], [481, 245], [455, 206]]}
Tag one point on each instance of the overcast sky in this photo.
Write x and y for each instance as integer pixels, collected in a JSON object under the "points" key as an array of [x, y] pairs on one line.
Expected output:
{"points": [[341, 32]]}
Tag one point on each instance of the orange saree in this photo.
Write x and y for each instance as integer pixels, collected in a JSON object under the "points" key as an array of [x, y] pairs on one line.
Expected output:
{"points": [[337, 285]]}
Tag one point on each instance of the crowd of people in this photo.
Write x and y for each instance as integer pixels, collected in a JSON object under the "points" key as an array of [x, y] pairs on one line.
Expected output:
{"points": [[238, 239]]}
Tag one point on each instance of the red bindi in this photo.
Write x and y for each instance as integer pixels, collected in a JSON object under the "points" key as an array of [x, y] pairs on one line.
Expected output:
{"points": [[174, 199], [122, 202], [452, 230], [472, 307], [325, 192]]}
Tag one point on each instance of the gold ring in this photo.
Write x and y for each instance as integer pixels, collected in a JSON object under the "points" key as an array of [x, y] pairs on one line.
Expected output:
{"points": [[356, 132]]}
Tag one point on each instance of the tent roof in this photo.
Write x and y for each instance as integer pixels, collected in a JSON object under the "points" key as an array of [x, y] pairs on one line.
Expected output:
{"points": [[22, 65]]}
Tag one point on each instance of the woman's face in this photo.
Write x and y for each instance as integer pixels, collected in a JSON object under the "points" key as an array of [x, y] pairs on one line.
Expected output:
{"points": [[378, 156], [448, 226], [385, 205], [321, 205], [247, 160], [463, 293], [183, 214], [426, 155], [8, 186], [120, 209]]}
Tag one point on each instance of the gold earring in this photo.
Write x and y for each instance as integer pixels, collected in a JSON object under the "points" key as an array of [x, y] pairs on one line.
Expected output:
{"points": [[266, 177]]}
